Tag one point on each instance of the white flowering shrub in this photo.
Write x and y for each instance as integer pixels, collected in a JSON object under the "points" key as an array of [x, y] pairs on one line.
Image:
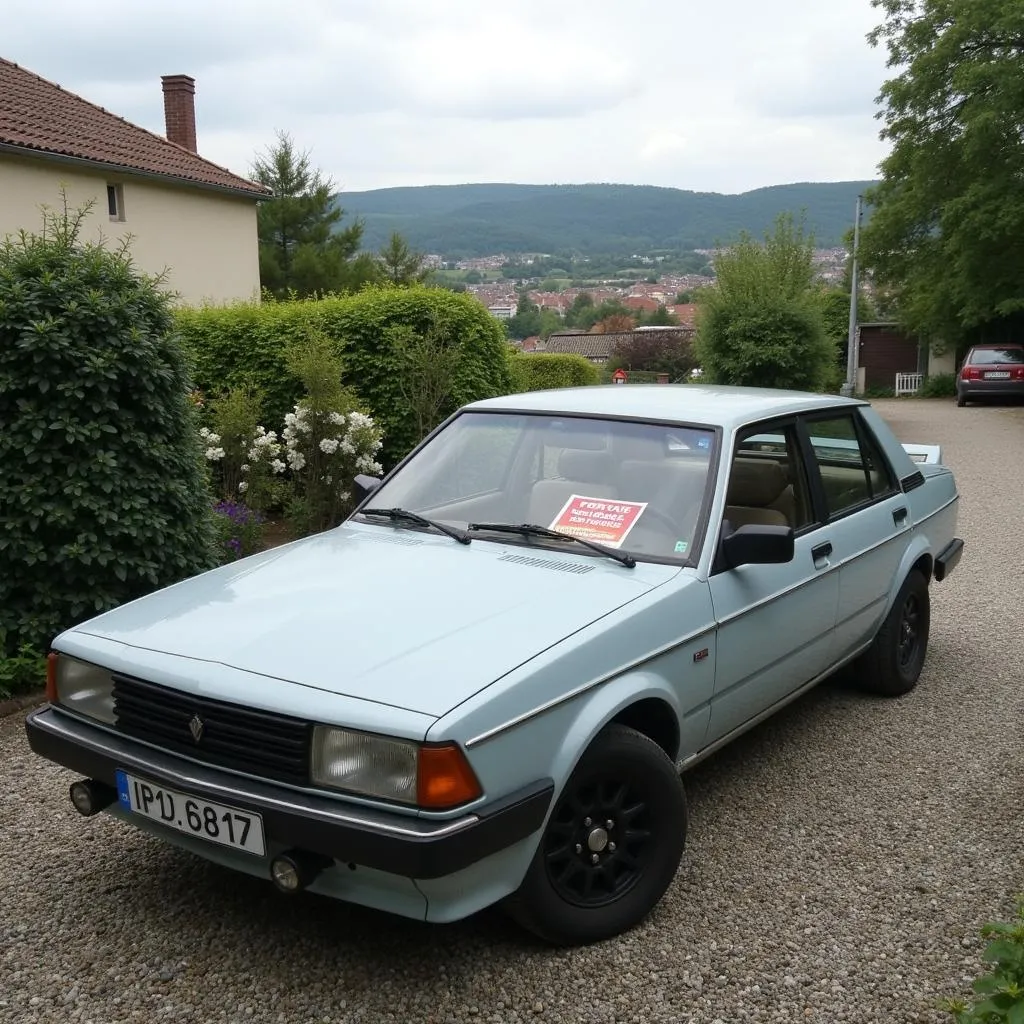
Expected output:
{"points": [[243, 467], [325, 448]]}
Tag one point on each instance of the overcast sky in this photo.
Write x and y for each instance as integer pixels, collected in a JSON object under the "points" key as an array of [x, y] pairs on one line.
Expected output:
{"points": [[712, 95]]}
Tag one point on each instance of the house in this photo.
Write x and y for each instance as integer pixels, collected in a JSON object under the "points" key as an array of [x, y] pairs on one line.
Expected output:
{"points": [[595, 347], [641, 304], [883, 351], [684, 312], [183, 214]]}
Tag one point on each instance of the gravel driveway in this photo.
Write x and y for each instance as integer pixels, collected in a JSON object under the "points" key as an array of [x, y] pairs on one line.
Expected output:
{"points": [[842, 858]]}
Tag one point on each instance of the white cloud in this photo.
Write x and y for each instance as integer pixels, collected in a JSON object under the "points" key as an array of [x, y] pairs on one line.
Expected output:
{"points": [[725, 96]]}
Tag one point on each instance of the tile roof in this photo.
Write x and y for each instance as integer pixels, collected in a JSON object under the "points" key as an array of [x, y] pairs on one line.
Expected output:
{"points": [[641, 302], [685, 312], [43, 119], [593, 346]]}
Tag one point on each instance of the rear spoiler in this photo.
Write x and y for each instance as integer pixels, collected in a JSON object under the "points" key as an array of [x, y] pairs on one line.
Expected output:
{"points": [[927, 453]]}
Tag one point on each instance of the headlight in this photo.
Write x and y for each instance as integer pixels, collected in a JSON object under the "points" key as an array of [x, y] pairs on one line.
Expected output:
{"points": [[434, 776], [82, 687]]}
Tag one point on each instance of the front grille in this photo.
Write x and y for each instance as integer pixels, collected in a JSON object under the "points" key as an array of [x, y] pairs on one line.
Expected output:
{"points": [[232, 736]]}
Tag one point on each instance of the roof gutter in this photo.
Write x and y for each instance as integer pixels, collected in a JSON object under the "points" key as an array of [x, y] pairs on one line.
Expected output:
{"points": [[165, 179]]}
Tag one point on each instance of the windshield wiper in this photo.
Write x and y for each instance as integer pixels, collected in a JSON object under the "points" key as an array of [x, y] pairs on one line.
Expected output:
{"points": [[401, 515], [531, 530]]}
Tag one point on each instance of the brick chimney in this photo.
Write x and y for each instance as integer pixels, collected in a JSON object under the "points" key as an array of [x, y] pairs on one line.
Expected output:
{"points": [[180, 109]]}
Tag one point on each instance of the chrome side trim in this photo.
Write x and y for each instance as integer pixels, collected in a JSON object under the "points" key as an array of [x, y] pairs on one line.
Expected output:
{"points": [[687, 763], [820, 638], [935, 512], [586, 687], [794, 587], [784, 592], [593, 684]]}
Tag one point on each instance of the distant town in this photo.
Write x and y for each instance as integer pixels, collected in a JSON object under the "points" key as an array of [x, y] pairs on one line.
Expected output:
{"points": [[489, 279]]}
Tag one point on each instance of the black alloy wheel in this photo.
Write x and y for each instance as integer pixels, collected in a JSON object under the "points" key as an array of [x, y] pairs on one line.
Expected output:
{"points": [[909, 631], [611, 846], [599, 841], [892, 664]]}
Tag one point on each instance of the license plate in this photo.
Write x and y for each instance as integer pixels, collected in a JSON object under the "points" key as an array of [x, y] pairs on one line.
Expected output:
{"points": [[997, 375], [216, 823]]}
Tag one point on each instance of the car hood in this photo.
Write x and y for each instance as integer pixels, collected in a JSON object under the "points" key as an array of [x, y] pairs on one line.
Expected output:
{"points": [[412, 620]]}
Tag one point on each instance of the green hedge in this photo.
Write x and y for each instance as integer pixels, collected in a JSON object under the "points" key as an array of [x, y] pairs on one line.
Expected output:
{"points": [[545, 370], [246, 343], [104, 492]]}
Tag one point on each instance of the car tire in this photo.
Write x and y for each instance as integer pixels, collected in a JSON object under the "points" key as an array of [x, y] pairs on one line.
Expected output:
{"points": [[960, 401], [892, 664], [627, 780]]}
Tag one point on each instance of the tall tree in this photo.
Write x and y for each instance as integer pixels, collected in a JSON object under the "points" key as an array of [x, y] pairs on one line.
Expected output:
{"points": [[946, 237], [614, 323], [399, 264], [761, 322], [301, 246], [659, 317], [526, 322], [576, 314]]}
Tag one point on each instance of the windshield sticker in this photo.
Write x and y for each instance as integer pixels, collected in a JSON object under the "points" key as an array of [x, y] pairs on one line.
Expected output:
{"points": [[681, 546], [598, 519]]}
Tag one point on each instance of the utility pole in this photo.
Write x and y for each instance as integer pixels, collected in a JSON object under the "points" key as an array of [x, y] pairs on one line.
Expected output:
{"points": [[850, 386]]}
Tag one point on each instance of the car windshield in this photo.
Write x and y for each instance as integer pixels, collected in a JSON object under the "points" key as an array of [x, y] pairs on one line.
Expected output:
{"points": [[990, 356], [639, 488]]}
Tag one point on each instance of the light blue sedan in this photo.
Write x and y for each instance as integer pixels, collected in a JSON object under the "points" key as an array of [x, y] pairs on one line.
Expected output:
{"points": [[486, 685]]}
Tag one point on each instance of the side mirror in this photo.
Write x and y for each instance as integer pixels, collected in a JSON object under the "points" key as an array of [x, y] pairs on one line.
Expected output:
{"points": [[757, 545], [365, 485]]}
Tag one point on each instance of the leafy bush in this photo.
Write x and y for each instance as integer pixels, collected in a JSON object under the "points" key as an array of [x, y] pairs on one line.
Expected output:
{"points": [[938, 385], [328, 440], [104, 493], [239, 530], [545, 370], [1002, 988], [244, 455], [247, 344], [655, 352], [779, 344], [24, 671], [761, 324]]}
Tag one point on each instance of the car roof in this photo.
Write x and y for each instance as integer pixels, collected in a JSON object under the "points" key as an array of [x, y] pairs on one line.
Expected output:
{"points": [[713, 404]]}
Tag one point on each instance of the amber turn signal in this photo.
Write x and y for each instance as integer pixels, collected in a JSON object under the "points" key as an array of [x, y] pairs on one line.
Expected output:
{"points": [[51, 677], [445, 778]]}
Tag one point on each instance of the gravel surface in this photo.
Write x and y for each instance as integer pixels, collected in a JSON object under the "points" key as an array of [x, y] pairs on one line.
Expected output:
{"points": [[841, 860]]}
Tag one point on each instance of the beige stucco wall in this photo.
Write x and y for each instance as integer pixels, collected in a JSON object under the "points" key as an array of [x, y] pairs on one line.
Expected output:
{"points": [[206, 240], [942, 362]]}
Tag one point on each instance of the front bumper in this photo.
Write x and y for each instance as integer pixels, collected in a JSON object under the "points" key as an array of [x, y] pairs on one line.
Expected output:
{"points": [[396, 843]]}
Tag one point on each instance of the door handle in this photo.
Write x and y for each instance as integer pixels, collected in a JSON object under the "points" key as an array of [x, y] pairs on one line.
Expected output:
{"points": [[822, 551], [899, 516]]}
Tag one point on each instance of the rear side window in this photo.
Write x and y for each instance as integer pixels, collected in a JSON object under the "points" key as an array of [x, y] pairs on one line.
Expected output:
{"points": [[990, 356], [853, 469]]}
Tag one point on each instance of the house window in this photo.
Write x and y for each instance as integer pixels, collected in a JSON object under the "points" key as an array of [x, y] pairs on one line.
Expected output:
{"points": [[115, 202]]}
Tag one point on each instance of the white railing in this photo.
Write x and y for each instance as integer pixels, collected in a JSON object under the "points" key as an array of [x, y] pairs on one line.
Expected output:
{"points": [[908, 383]]}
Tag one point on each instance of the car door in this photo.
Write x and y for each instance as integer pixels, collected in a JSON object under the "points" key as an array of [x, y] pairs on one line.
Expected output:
{"points": [[868, 521], [774, 622]]}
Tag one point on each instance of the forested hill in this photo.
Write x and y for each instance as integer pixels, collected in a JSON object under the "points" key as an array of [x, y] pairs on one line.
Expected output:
{"points": [[476, 220]]}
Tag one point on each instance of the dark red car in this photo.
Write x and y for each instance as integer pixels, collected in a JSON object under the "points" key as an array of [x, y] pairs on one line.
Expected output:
{"points": [[991, 371]]}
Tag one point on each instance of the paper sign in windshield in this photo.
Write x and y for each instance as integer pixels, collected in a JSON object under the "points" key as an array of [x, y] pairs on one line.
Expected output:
{"points": [[598, 519]]}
